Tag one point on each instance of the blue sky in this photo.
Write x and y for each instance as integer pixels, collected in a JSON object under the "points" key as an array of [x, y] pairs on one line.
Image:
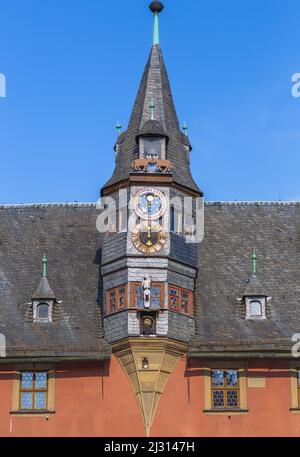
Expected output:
{"points": [[73, 68]]}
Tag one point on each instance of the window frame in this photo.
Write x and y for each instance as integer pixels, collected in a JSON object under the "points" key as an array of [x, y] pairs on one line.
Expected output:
{"points": [[181, 291], [116, 290], [295, 387], [242, 376], [34, 390], [157, 284], [17, 390], [225, 389], [263, 305]]}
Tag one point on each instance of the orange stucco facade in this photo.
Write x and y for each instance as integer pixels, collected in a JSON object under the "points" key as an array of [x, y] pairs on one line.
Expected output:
{"points": [[96, 399]]}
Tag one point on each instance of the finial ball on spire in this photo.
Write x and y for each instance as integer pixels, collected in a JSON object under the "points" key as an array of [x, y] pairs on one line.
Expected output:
{"points": [[156, 6]]}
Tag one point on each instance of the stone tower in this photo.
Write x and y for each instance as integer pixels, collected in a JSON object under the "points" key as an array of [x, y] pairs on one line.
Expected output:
{"points": [[149, 265]]}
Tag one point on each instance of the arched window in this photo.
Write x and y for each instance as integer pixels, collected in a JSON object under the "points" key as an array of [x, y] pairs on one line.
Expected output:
{"points": [[255, 308], [43, 312]]}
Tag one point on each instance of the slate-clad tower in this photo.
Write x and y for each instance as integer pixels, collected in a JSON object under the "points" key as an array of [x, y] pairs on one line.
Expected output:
{"points": [[148, 267]]}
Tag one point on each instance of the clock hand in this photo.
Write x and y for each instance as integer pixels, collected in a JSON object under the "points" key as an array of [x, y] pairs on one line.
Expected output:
{"points": [[149, 240]]}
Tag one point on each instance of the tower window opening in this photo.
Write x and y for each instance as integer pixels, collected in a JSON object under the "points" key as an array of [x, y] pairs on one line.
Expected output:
{"points": [[152, 147]]}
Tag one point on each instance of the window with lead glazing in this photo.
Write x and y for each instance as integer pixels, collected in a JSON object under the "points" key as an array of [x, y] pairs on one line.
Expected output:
{"points": [[225, 389], [180, 300], [112, 301], [33, 390], [121, 297], [116, 299], [156, 297], [174, 299]]}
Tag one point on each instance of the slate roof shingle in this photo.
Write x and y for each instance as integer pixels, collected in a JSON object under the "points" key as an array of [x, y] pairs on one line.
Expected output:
{"points": [[68, 234]]}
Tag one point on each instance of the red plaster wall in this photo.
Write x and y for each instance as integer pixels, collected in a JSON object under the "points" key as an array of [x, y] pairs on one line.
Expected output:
{"points": [[96, 399], [180, 412], [86, 404]]}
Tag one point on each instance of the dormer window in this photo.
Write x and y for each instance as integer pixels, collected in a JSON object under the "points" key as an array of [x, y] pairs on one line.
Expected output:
{"points": [[255, 300], [255, 308], [43, 312], [43, 300]]}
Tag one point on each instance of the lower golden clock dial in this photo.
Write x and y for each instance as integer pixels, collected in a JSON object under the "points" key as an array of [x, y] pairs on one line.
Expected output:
{"points": [[149, 238]]}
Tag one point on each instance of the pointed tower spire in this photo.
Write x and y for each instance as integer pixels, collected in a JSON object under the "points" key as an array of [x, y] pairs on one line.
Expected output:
{"points": [[156, 7], [154, 85]]}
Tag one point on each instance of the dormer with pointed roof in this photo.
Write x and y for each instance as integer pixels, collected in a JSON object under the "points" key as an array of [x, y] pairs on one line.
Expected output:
{"points": [[255, 298], [44, 299]]}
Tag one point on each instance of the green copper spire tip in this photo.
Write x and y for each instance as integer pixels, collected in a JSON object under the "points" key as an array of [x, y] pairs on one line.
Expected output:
{"points": [[254, 264], [45, 266], [156, 30], [156, 7], [152, 108], [185, 128], [119, 128]]}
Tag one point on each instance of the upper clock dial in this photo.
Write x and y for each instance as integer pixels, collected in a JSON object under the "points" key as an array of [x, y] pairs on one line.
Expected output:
{"points": [[150, 204]]}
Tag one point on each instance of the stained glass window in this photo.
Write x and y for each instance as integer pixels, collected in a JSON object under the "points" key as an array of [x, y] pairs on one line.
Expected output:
{"points": [[121, 297], [225, 389], [33, 390], [174, 299], [180, 300], [112, 301], [116, 299], [184, 302]]}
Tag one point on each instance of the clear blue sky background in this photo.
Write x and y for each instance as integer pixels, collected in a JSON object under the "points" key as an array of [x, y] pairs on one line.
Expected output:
{"points": [[73, 68]]}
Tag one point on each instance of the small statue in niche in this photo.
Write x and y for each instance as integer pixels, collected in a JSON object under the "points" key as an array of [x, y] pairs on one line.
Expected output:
{"points": [[147, 291]]}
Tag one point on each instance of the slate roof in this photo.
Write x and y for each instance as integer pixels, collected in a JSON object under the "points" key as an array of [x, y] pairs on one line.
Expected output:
{"points": [[154, 85], [67, 234], [231, 232]]}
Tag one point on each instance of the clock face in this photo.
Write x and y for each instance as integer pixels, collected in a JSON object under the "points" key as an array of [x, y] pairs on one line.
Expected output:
{"points": [[150, 204], [149, 238]]}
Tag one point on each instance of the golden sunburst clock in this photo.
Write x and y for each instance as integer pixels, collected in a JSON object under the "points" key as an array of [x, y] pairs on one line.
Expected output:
{"points": [[149, 238]]}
